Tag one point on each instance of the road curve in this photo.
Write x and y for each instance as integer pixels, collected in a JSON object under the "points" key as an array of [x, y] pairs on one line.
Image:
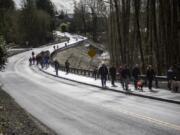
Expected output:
{"points": [[70, 108]]}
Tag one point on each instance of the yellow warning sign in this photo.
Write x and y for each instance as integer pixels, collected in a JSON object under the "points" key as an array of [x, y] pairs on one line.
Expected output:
{"points": [[92, 53]]}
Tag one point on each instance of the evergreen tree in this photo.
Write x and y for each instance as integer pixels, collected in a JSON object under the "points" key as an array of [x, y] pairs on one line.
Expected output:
{"points": [[7, 7], [47, 6], [35, 25], [3, 53], [7, 4]]}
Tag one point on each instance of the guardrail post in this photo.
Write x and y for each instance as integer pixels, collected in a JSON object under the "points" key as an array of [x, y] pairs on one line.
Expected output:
{"points": [[84, 72], [89, 74]]}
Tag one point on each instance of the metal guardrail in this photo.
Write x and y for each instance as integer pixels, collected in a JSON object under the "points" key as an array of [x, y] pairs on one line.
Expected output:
{"points": [[157, 79], [82, 72], [66, 47], [160, 78], [90, 73]]}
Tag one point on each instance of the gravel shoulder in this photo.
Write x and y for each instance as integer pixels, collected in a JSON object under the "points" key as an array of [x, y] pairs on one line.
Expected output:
{"points": [[16, 121]]}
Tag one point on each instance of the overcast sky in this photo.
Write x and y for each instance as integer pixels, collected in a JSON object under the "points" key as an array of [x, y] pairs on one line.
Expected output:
{"points": [[60, 4]]}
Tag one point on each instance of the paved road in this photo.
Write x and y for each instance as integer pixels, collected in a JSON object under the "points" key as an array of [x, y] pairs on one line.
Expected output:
{"points": [[73, 109]]}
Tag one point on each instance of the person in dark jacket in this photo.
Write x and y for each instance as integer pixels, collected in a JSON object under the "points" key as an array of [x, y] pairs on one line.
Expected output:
{"points": [[170, 77], [33, 54], [176, 79], [150, 75], [41, 61], [103, 72], [56, 67], [67, 64], [125, 77], [37, 60], [46, 60], [33, 60], [135, 74], [112, 72], [30, 61], [95, 73], [120, 75], [178, 73]]}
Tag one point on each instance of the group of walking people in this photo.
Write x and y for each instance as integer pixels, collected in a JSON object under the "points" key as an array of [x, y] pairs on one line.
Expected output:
{"points": [[124, 75], [57, 66], [55, 47], [42, 59]]}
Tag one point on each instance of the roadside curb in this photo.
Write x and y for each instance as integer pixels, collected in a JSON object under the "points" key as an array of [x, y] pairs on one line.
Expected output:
{"points": [[119, 91]]}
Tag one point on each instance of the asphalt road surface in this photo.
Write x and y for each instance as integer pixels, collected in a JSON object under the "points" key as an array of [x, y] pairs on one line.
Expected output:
{"points": [[70, 108]]}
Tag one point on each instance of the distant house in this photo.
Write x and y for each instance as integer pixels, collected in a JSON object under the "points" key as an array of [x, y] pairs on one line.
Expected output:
{"points": [[63, 18]]}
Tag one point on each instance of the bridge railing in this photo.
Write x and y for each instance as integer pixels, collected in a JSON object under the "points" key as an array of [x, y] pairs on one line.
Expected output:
{"points": [[89, 73], [67, 47], [83, 72]]}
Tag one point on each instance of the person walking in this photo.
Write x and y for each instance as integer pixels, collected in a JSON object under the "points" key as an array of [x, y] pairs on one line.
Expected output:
{"points": [[41, 61], [135, 74], [125, 77], [150, 75], [33, 60], [30, 61], [103, 72], [46, 60], [33, 54], [37, 60], [56, 66], [112, 72], [67, 64], [170, 77], [176, 79], [120, 75], [65, 44], [54, 47], [95, 73], [178, 73]]}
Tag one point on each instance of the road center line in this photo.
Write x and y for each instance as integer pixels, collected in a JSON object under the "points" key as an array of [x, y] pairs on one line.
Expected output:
{"points": [[149, 119]]}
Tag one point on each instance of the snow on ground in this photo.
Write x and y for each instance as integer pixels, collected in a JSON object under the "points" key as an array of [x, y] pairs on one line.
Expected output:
{"points": [[92, 81], [88, 80], [68, 107], [73, 39]]}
